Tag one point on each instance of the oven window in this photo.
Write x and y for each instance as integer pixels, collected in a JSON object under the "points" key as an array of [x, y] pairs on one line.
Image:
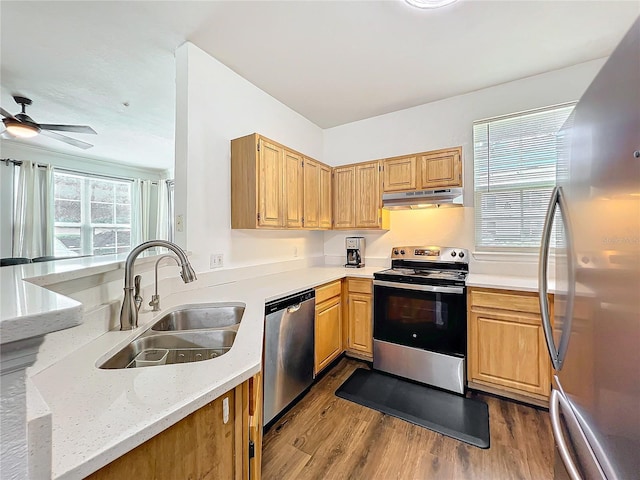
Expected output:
{"points": [[427, 320]]}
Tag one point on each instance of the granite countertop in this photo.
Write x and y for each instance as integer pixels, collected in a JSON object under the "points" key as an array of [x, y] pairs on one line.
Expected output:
{"points": [[98, 415]]}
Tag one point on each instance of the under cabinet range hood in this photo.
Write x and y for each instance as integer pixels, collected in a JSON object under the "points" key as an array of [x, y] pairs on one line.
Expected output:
{"points": [[445, 197]]}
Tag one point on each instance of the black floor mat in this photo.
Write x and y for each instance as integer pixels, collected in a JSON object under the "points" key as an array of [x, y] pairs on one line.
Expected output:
{"points": [[461, 418]]}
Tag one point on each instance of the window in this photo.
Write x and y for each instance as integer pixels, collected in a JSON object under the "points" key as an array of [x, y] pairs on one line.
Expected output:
{"points": [[92, 215], [515, 160]]}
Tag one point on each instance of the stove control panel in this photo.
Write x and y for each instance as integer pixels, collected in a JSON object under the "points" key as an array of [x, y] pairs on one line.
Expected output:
{"points": [[431, 254]]}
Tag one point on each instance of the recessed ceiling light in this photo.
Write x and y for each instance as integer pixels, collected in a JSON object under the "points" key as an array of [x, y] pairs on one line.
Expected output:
{"points": [[429, 3]]}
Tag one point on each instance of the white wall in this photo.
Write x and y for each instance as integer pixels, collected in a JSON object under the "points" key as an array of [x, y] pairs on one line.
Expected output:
{"points": [[441, 124], [213, 106]]}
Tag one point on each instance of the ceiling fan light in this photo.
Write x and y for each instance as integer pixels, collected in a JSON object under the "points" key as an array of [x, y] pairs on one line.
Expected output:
{"points": [[20, 130], [430, 3]]}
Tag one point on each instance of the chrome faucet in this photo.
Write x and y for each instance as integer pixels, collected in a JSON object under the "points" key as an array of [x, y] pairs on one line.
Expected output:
{"points": [[155, 299], [129, 312]]}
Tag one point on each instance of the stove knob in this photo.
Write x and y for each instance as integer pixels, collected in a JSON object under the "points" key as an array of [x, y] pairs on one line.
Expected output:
{"points": [[453, 254], [401, 252], [461, 254], [395, 252]]}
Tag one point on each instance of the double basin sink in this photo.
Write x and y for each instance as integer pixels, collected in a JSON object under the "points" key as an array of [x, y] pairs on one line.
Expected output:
{"points": [[190, 334]]}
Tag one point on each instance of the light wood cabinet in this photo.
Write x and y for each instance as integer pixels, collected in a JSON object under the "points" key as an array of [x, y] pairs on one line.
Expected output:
{"points": [[326, 198], [440, 168], [344, 184], [328, 324], [360, 317], [399, 174], [202, 446], [357, 198], [293, 189], [317, 195], [269, 187], [507, 351]]}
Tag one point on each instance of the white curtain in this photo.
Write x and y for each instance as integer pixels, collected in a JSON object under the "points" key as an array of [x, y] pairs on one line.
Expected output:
{"points": [[162, 219], [141, 211], [33, 213]]}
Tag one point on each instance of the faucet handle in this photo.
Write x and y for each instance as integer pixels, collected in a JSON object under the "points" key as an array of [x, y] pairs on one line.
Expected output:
{"points": [[136, 292]]}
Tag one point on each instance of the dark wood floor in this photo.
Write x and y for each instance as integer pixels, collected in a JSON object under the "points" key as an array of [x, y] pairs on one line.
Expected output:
{"points": [[326, 437]]}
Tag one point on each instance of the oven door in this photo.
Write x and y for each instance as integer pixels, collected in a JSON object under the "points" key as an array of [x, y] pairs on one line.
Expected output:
{"points": [[421, 316]]}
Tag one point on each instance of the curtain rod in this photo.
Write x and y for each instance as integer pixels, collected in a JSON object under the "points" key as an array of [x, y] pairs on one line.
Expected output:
{"points": [[7, 161]]}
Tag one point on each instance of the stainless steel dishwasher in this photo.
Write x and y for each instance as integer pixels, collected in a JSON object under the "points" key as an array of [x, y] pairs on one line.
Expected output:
{"points": [[288, 351]]}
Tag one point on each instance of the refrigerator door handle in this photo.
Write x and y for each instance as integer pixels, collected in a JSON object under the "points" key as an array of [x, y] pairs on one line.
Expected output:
{"points": [[554, 413], [557, 354], [542, 277]]}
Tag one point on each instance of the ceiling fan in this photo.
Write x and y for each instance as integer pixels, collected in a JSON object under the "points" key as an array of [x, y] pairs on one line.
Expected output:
{"points": [[22, 126]]}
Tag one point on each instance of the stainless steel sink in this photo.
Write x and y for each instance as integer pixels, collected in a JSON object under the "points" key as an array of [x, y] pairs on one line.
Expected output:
{"points": [[169, 348], [211, 315]]}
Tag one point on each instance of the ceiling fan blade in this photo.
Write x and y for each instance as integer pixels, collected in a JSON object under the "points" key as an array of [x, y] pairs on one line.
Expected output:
{"points": [[5, 113], [6, 135], [63, 138], [68, 128]]}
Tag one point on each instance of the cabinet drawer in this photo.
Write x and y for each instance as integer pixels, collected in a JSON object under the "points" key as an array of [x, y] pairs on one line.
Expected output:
{"points": [[360, 285], [526, 302], [330, 290]]}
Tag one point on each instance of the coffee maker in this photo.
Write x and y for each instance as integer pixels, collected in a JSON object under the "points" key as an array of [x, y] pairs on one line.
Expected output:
{"points": [[355, 252]]}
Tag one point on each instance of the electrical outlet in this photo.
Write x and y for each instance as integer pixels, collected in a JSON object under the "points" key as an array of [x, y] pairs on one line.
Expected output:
{"points": [[216, 260], [179, 223]]}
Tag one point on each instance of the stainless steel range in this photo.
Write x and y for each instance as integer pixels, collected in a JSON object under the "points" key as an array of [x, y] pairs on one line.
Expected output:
{"points": [[420, 316]]}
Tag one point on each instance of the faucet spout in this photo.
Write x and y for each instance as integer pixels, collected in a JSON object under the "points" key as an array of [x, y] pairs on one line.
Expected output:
{"points": [[129, 312]]}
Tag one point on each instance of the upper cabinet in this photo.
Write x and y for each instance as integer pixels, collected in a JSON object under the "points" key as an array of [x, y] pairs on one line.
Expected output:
{"points": [[357, 198], [442, 168], [400, 174], [270, 187], [423, 171]]}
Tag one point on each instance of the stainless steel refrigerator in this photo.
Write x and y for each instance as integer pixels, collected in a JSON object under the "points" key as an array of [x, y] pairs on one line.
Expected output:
{"points": [[593, 334]]}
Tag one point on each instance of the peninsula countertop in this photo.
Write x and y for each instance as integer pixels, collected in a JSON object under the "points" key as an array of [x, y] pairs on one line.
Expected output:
{"points": [[98, 415]]}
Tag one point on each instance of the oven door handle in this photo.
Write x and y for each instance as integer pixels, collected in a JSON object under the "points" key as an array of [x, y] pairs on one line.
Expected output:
{"points": [[421, 288]]}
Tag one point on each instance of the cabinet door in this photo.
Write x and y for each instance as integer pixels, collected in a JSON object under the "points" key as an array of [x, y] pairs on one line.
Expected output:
{"points": [[312, 194], [325, 215], [293, 189], [367, 195], [327, 332], [201, 446], [343, 197], [360, 323], [442, 168], [509, 350], [270, 185], [399, 174]]}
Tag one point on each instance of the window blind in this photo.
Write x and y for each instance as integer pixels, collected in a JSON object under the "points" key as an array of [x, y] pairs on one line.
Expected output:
{"points": [[515, 160]]}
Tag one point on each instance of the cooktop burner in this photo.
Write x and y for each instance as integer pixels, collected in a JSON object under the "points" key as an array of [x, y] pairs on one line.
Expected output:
{"points": [[426, 273]]}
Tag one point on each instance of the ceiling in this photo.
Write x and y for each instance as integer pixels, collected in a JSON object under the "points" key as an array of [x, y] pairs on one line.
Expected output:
{"points": [[334, 62]]}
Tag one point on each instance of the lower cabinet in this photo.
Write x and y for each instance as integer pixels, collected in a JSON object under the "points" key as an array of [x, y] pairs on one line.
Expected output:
{"points": [[507, 351], [203, 446], [328, 324], [359, 314]]}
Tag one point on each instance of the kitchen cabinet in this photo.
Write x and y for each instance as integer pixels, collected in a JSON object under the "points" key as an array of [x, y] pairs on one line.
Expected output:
{"points": [[399, 174], [440, 168], [328, 324], [507, 350], [293, 191], [269, 188], [317, 195], [357, 200], [359, 314], [423, 171], [203, 446]]}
